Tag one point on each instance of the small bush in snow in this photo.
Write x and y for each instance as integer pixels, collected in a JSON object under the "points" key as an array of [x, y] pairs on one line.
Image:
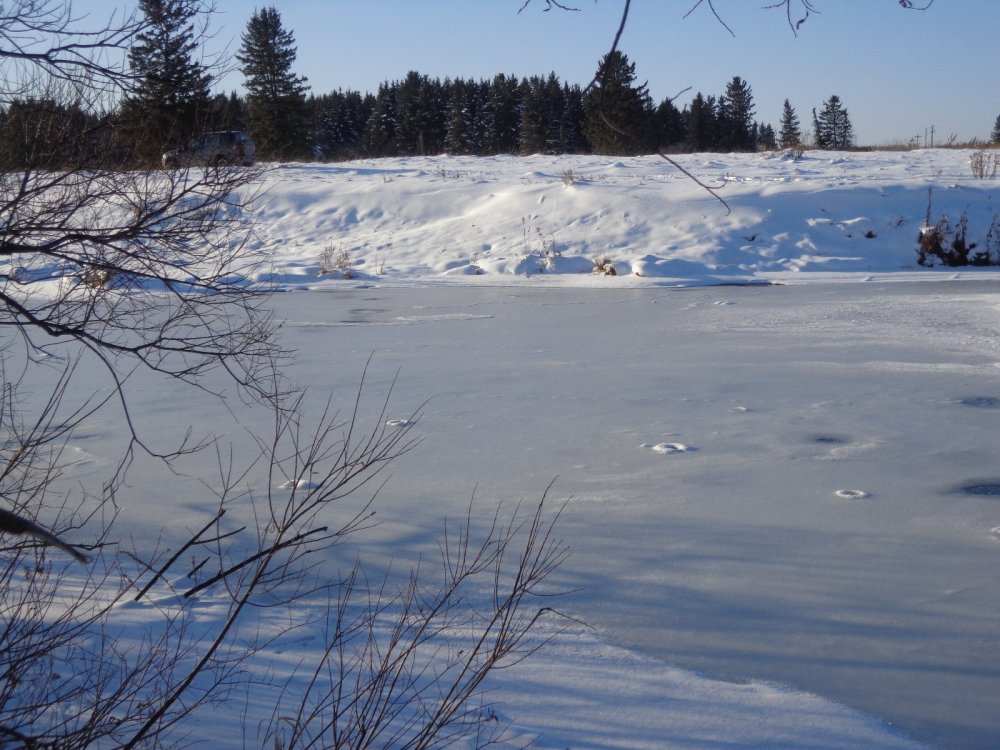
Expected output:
{"points": [[98, 278], [984, 164], [950, 246], [604, 265], [539, 246], [336, 260], [569, 177]]}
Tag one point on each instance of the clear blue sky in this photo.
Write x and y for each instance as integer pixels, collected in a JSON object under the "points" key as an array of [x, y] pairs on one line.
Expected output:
{"points": [[898, 72]]}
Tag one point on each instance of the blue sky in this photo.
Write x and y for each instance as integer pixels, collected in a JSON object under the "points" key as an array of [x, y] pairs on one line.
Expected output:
{"points": [[897, 72]]}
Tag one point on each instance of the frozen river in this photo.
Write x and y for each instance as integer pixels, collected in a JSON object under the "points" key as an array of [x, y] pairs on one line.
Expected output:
{"points": [[798, 484]]}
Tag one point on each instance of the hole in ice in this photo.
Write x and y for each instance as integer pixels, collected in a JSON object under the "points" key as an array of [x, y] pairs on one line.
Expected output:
{"points": [[829, 439], [981, 402], [668, 447], [851, 494], [298, 484], [989, 489]]}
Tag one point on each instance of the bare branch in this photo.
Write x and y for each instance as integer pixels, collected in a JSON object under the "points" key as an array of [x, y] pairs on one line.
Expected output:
{"points": [[549, 5], [711, 6], [12, 523]]}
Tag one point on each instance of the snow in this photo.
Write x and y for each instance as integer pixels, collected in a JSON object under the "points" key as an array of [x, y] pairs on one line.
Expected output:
{"points": [[764, 422], [446, 219]]}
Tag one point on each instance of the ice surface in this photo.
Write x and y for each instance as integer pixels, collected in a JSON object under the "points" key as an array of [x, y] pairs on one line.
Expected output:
{"points": [[818, 537], [782, 514]]}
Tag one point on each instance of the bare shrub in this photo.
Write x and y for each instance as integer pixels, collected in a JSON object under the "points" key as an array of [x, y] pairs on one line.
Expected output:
{"points": [[984, 164], [536, 245], [604, 265], [947, 244], [336, 260]]}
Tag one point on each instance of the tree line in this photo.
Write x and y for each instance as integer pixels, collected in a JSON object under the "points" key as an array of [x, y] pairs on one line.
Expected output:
{"points": [[416, 115]]}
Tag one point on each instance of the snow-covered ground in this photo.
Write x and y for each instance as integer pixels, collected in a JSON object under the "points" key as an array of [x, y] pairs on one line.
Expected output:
{"points": [[782, 519], [430, 220]]}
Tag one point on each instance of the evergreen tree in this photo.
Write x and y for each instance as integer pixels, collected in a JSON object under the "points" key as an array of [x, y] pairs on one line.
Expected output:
{"points": [[735, 117], [571, 133], [380, 129], [766, 137], [420, 115], [480, 116], [701, 123], [170, 101], [671, 128], [337, 124], [534, 117], [619, 117], [461, 118], [995, 135], [228, 112], [790, 134], [45, 134], [543, 111], [833, 126], [503, 115], [275, 95]]}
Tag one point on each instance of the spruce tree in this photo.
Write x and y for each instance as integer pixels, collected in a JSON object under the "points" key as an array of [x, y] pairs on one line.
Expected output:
{"points": [[420, 125], [170, 100], [833, 126], [458, 116], [818, 136], [735, 117], [619, 113], [380, 129], [790, 135], [543, 113], [276, 96], [534, 117], [503, 115], [701, 123], [571, 129], [995, 135], [766, 137], [670, 126]]}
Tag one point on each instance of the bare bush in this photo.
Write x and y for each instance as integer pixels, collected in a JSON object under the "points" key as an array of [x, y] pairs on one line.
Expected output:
{"points": [[336, 260], [569, 177], [984, 164], [604, 265], [537, 246]]}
